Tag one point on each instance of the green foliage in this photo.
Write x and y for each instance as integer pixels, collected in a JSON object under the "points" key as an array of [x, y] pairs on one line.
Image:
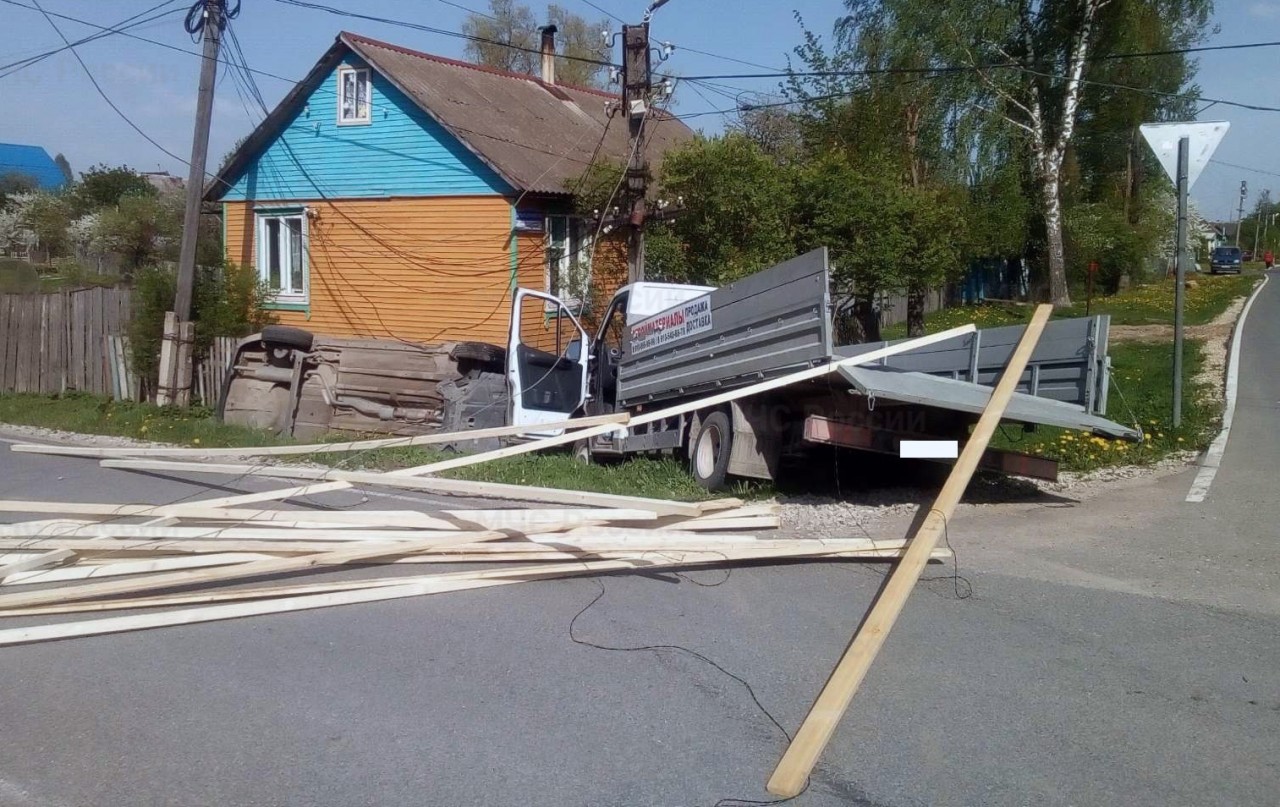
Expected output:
{"points": [[1143, 372], [103, 187], [14, 183], [514, 24], [18, 277], [735, 208], [48, 216], [142, 229], [227, 302], [154, 288]]}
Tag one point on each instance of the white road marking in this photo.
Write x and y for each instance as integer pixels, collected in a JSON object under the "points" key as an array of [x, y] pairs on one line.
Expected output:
{"points": [[1213, 456], [928, 449]]}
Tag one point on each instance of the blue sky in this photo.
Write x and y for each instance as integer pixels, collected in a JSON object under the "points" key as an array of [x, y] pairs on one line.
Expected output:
{"points": [[156, 86]]}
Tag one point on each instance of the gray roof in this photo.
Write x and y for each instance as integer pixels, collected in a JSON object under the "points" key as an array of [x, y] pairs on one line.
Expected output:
{"points": [[540, 138]]}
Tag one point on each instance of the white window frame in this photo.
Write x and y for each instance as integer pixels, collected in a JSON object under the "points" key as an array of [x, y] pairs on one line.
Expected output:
{"points": [[561, 273], [290, 295], [362, 75]]}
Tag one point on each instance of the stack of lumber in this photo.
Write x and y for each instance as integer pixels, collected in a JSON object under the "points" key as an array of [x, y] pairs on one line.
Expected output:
{"points": [[188, 563]]}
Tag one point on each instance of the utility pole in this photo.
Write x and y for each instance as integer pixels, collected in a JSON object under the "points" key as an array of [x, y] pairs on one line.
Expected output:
{"points": [[637, 89], [636, 79], [175, 354], [1244, 191]]}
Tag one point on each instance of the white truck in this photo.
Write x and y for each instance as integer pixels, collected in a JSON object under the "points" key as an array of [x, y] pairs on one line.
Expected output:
{"points": [[660, 344]]}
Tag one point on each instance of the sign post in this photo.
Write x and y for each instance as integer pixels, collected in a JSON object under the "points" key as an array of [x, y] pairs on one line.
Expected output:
{"points": [[1183, 150]]}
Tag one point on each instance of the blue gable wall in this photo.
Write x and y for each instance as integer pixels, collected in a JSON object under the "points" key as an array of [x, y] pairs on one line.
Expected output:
{"points": [[401, 152]]}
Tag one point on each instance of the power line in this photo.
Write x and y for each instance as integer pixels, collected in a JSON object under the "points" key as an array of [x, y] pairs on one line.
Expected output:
{"points": [[433, 30], [605, 11], [1245, 168], [101, 92], [128, 22], [878, 71]]}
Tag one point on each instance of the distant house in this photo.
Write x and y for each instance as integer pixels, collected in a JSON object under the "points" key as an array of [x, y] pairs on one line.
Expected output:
{"points": [[394, 193], [33, 162], [164, 182]]}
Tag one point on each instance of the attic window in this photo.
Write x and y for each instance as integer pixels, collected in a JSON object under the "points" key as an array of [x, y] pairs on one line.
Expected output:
{"points": [[353, 95]]}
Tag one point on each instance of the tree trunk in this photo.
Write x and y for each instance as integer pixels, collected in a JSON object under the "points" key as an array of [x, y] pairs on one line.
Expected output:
{"points": [[859, 322], [915, 311], [1058, 293]]}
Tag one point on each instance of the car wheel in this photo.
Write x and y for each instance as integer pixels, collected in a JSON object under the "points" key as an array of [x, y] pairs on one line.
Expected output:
{"points": [[709, 453], [287, 336]]}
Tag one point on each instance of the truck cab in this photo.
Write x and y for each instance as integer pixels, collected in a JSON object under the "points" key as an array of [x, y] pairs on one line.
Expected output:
{"points": [[555, 369]]}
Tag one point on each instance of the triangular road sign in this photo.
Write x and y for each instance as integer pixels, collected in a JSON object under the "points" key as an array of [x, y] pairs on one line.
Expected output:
{"points": [[1204, 136]]}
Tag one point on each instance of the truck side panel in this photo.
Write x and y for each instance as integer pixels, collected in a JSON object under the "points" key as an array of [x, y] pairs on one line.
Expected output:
{"points": [[765, 325]]}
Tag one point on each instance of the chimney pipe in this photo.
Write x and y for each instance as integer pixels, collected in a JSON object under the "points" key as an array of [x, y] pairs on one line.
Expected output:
{"points": [[548, 54]]}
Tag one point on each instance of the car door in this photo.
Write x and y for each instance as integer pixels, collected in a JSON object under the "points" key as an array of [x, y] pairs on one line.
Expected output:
{"points": [[547, 360]]}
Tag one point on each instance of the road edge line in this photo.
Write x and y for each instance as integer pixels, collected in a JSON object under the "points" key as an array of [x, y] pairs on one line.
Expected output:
{"points": [[1213, 454]]}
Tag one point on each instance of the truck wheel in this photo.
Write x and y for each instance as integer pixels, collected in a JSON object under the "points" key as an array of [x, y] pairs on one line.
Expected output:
{"points": [[582, 452], [709, 453], [287, 336]]}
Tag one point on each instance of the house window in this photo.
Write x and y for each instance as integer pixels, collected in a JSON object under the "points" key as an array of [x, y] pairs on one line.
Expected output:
{"points": [[353, 95], [568, 257], [282, 255]]}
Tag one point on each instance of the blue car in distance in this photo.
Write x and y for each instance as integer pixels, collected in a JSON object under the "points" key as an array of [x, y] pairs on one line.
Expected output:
{"points": [[1225, 259]]}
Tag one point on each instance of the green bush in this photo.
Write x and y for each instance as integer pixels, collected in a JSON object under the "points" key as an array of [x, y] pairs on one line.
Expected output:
{"points": [[227, 301]]}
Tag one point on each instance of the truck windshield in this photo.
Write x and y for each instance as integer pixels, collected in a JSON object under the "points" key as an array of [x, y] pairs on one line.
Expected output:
{"points": [[1226, 253]]}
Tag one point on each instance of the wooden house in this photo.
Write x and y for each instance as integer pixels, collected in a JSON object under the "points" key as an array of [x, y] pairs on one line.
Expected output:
{"points": [[398, 194]]}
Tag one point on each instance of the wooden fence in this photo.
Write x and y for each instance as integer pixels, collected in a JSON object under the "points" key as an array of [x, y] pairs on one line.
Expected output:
{"points": [[211, 371], [54, 343]]}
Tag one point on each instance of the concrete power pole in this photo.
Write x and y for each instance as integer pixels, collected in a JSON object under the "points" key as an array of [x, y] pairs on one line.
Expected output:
{"points": [[636, 79], [175, 356], [637, 89]]}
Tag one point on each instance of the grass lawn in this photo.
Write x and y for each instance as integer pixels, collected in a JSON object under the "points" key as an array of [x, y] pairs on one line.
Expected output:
{"points": [[1147, 304], [1141, 391]]}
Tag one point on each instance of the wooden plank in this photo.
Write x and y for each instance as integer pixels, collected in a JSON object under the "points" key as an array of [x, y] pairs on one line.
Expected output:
{"points": [[127, 567], [793, 770], [237, 572], [315, 448], [164, 389], [199, 597], [409, 587], [7, 381], [433, 484], [38, 562], [436, 519]]}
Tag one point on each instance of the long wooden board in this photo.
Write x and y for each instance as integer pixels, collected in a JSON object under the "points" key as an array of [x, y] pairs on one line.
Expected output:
{"points": [[411, 587], [239, 571], [462, 487], [793, 770], [317, 448], [433, 520]]}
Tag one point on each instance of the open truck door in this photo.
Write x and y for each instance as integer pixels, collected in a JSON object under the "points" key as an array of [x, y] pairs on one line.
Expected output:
{"points": [[547, 359]]}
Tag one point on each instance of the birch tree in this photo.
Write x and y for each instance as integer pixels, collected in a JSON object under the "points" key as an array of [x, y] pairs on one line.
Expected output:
{"points": [[1037, 85]]}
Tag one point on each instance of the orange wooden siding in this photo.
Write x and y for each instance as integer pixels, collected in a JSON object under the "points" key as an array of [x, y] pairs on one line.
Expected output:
{"points": [[425, 269]]}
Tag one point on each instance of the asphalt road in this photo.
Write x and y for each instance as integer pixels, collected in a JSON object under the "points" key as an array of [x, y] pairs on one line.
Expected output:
{"points": [[1120, 651]]}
